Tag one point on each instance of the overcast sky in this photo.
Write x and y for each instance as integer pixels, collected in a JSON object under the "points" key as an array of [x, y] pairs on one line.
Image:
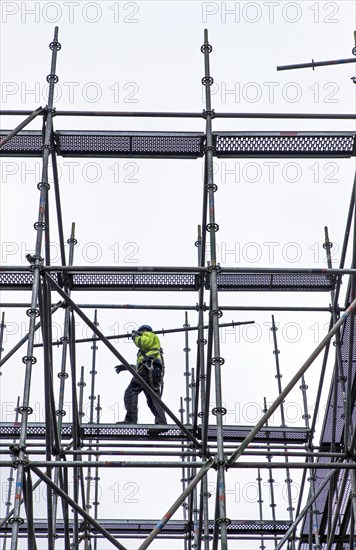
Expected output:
{"points": [[145, 56]]}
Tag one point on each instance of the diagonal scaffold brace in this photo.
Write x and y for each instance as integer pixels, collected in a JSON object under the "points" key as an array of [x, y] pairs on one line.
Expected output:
{"points": [[77, 508], [24, 123], [248, 439]]}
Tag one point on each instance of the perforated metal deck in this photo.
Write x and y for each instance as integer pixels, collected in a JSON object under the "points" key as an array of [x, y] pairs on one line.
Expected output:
{"points": [[173, 529], [37, 431], [275, 281], [136, 281], [21, 280], [284, 144], [177, 281], [133, 144], [137, 144], [103, 144]]}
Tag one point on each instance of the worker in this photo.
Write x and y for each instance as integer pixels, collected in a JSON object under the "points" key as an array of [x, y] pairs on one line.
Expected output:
{"points": [[150, 366]]}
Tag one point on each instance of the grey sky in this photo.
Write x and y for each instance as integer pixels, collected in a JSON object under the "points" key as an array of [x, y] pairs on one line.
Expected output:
{"points": [[145, 56]]}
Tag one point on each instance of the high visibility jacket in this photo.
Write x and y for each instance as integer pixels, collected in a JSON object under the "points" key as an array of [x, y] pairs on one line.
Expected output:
{"points": [[149, 346]]}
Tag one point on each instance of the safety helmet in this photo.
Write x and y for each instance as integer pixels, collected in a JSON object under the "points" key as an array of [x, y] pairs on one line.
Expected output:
{"points": [[145, 327]]}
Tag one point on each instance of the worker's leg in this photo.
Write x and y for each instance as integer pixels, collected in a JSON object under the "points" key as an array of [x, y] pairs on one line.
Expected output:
{"points": [[131, 400], [156, 409]]}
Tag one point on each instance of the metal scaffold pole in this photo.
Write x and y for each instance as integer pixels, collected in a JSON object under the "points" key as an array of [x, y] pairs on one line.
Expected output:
{"points": [[288, 480], [37, 263], [10, 479], [221, 521]]}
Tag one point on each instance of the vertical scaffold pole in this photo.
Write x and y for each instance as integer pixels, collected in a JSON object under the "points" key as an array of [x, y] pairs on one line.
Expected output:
{"points": [[288, 480], [50, 420], [96, 476], [192, 500], [187, 373], [81, 385], [92, 398], [10, 479], [270, 480], [201, 382], [260, 502], [212, 227], [60, 412], [183, 480], [25, 410], [77, 471]]}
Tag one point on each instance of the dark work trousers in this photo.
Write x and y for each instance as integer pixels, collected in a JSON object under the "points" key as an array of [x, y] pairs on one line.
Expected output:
{"points": [[134, 389]]}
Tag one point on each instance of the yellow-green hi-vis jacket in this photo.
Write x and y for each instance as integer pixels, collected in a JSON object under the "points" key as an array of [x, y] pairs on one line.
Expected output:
{"points": [[149, 346]]}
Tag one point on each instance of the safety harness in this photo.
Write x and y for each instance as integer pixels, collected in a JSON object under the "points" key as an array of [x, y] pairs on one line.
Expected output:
{"points": [[148, 362]]}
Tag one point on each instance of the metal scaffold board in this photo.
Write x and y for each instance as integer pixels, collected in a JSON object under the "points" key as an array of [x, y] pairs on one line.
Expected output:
{"points": [[136, 144], [311, 282], [107, 432]]}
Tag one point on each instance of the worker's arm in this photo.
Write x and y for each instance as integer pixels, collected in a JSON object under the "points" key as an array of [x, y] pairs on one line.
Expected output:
{"points": [[146, 341]]}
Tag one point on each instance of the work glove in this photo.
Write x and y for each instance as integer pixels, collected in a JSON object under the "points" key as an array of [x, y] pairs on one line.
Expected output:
{"points": [[134, 334], [120, 368]]}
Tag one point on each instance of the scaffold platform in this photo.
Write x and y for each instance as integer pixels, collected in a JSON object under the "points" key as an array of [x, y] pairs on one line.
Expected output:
{"points": [[117, 432], [172, 529], [135, 144], [308, 282]]}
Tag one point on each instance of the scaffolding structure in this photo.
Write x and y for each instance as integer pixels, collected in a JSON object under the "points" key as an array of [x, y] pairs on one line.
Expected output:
{"points": [[325, 515]]}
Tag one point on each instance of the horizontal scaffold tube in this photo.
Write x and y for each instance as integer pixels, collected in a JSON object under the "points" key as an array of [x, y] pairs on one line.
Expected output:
{"points": [[163, 332], [168, 114], [182, 464], [180, 269]]}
